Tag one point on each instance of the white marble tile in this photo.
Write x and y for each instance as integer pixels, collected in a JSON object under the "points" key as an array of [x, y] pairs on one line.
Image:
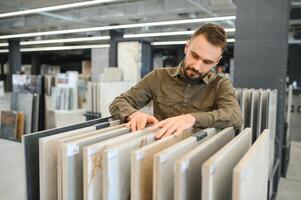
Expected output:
{"points": [[188, 169], [93, 159], [163, 177], [100, 60], [72, 162], [217, 170], [142, 166], [129, 60], [109, 91], [250, 175], [48, 162]]}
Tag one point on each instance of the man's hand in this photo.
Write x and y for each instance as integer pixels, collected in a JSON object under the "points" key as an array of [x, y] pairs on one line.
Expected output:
{"points": [[138, 120], [173, 125]]}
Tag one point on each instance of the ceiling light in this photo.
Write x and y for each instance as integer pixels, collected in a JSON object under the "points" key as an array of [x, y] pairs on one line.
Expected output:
{"points": [[53, 8], [180, 42], [58, 48], [124, 26], [141, 35]]}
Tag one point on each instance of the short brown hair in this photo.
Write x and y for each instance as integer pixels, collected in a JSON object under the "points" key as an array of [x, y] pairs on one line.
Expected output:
{"points": [[215, 35]]}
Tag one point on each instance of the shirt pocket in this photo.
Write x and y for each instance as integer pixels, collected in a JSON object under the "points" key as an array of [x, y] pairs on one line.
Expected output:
{"points": [[165, 106]]}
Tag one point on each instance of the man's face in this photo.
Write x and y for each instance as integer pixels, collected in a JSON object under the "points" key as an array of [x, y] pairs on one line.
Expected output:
{"points": [[200, 57]]}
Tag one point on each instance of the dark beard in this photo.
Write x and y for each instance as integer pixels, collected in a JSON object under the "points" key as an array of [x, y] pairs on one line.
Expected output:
{"points": [[190, 80]]}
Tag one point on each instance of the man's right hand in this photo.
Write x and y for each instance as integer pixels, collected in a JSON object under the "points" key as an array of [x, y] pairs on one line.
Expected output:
{"points": [[138, 120]]}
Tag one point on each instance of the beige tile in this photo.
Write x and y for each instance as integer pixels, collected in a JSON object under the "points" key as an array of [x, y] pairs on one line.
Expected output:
{"points": [[163, 177], [252, 171], [217, 170], [188, 169]]}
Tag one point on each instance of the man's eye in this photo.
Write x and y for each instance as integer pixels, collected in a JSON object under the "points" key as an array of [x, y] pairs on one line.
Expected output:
{"points": [[208, 62], [194, 55]]}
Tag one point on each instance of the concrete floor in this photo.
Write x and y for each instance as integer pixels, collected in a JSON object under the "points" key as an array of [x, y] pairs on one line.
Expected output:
{"points": [[12, 170], [289, 188]]}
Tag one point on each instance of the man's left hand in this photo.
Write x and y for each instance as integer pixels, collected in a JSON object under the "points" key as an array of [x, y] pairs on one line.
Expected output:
{"points": [[173, 125]]}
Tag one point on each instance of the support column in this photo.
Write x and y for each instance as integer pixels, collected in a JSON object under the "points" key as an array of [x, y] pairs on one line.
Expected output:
{"points": [[35, 63], [14, 62], [115, 35], [14, 56], [260, 55]]}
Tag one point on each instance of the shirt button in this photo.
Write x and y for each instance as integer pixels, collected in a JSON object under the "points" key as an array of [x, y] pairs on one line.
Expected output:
{"points": [[189, 85]]}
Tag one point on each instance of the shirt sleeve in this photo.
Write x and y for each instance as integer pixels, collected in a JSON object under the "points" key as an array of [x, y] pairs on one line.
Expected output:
{"points": [[132, 100], [227, 111]]}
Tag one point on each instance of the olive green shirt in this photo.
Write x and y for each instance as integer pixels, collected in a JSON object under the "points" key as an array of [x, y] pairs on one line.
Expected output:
{"points": [[211, 102]]}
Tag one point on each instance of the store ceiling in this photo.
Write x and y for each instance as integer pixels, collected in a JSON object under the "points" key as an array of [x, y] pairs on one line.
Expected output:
{"points": [[117, 12]]}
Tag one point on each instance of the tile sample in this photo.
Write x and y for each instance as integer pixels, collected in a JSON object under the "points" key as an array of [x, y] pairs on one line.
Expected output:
{"points": [[113, 125], [250, 175], [188, 169], [129, 60], [254, 113], [163, 176], [72, 162], [23, 102], [117, 167], [9, 123], [48, 162], [142, 166], [108, 91], [217, 170], [271, 124], [246, 107], [20, 127], [31, 146], [92, 166]]}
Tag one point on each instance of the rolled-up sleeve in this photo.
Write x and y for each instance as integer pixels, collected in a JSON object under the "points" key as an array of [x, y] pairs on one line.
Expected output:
{"points": [[132, 100], [227, 111]]}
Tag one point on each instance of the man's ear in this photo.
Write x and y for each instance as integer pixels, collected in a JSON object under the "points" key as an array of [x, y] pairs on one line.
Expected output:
{"points": [[186, 47]]}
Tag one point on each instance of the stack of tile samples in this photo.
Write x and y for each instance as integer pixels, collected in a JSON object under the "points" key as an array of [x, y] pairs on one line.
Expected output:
{"points": [[11, 125], [108, 161], [101, 94], [28, 97], [64, 98]]}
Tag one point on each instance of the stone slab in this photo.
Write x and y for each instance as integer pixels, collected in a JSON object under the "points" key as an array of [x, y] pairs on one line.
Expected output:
{"points": [[250, 175], [188, 169], [31, 146], [117, 167], [163, 177], [72, 162], [217, 170], [48, 162], [142, 166], [92, 164]]}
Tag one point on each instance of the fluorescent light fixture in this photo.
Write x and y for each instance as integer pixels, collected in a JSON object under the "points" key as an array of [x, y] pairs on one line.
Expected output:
{"points": [[5, 44], [124, 26], [230, 40], [99, 38], [3, 50], [169, 43], [180, 42], [159, 34], [66, 40], [53, 8], [60, 48], [83, 39]]}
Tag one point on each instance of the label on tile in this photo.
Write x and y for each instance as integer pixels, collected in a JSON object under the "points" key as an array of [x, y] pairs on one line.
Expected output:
{"points": [[72, 149]]}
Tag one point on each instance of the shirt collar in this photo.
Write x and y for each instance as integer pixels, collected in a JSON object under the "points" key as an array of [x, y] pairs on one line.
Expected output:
{"points": [[177, 71]]}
